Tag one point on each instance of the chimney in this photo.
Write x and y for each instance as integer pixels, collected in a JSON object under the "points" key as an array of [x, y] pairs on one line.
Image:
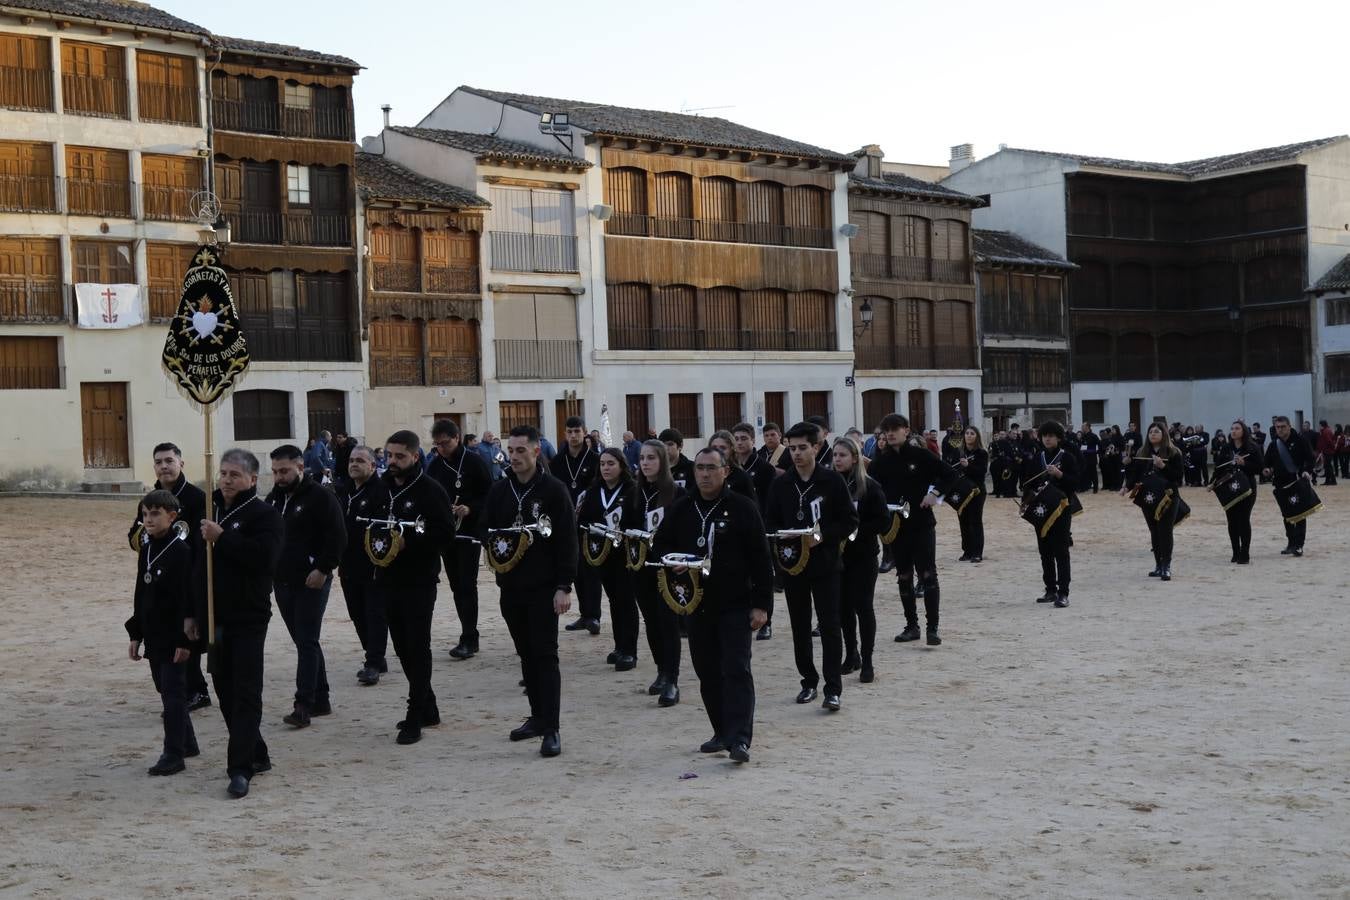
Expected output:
{"points": [[386, 110], [962, 156]]}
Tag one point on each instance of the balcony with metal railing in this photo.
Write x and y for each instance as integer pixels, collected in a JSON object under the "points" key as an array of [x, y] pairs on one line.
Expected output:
{"points": [[90, 95], [174, 103], [625, 338], [24, 300], [537, 359], [294, 228], [91, 197], [938, 356], [168, 203], [29, 193], [514, 251], [29, 89], [636, 225]]}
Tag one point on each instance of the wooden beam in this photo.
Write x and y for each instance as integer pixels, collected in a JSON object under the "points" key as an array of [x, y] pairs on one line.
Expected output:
{"points": [[532, 183]]}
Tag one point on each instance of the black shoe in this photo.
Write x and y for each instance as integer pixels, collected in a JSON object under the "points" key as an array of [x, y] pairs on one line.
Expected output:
{"points": [[712, 745], [578, 625], [551, 745], [625, 663], [462, 651], [963, 557], [593, 626], [1166, 574], [297, 718], [911, 633], [831, 702], [410, 733], [368, 676], [658, 685], [612, 658], [815, 632], [1048, 597], [192, 751], [868, 675], [1244, 558], [670, 695], [976, 559], [1287, 551], [321, 708], [1061, 601], [198, 701], [851, 664], [238, 786], [807, 695], [765, 633], [526, 730], [885, 567], [739, 753], [933, 638], [1235, 557], [261, 766], [1156, 573], [431, 718], [1298, 551], [167, 765]]}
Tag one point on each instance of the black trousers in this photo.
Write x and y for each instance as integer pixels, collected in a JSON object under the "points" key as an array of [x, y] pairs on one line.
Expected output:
{"points": [[196, 683], [617, 581], [972, 527], [588, 587], [824, 591], [365, 606], [302, 610], [663, 627], [1054, 550], [1161, 534], [1090, 474], [171, 682], [533, 625], [1240, 525], [409, 608], [916, 557], [1296, 533], [719, 647], [461, 560], [856, 601], [238, 678]]}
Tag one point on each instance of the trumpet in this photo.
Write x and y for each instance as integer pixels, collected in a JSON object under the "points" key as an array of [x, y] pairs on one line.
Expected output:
{"points": [[700, 564], [639, 534], [901, 508], [788, 534], [418, 525], [543, 527], [614, 536]]}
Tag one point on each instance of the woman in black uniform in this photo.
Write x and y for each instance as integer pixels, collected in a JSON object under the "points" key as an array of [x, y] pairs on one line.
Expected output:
{"points": [[653, 494], [602, 506], [974, 464], [1239, 453], [859, 580], [1164, 460]]}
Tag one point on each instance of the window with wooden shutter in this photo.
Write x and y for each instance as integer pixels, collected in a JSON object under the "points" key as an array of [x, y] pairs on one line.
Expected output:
{"points": [[166, 87], [393, 258], [675, 317], [103, 262], [93, 80], [450, 262], [877, 403], [30, 363], [684, 416], [27, 177], [166, 265], [261, 415], [764, 212], [512, 413], [629, 308], [673, 209], [98, 182], [807, 216], [816, 403], [719, 222], [719, 320], [452, 351], [870, 249], [30, 280], [638, 415], [626, 191], [727, 411], [26, 72], [775, 409], [764, 319], [811, 321], [170, 183], [395, 353], [874, 346]]}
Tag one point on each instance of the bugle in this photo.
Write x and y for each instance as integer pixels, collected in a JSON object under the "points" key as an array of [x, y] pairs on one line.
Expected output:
{"points": [[700, 564]]}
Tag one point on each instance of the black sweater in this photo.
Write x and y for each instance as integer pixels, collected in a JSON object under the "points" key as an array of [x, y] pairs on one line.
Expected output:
{"points": [[419, 562], [245, 561], [549, 562], [315, 531], [823, 498], [1299, 452], [1142, 466], [1253, 462], [1062, 458], [976, 467], [682, 470], [742, 575], [593, 512], [366, 502], [906, 474], [471, 471], [575, 472], [192, 509], [160, 607], [873, 520]]}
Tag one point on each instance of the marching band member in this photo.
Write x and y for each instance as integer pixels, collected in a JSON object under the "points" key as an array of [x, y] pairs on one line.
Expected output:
{"points": [[973, 462], [773, 452], [681, 466], [1157, 469], [465, 477], [1239, 454], [602, 508], [859, 582], [737, 478], [575, 466], [1060, 468], [361, 495], [653, 494], [536, 564], [716, 523], [1289, 458], [761, 472], [810, 495]]}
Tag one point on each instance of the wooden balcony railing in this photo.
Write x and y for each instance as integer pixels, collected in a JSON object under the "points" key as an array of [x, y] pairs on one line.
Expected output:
{"points": [[23, 378], [28, 193], [412, 278], [525, 359], [86, 95], [908, 357], [179, 104], [26, 89], [451, 279], [165, 203], [1023, 324], [623, 338], [302, 229], [237, 115], [404, 277], [395, 372], [455, 370], [324, 123], [30, 301], [87, 197], [164, 300], [910, 268], [637, 225], [388, 371], [514, 251]]}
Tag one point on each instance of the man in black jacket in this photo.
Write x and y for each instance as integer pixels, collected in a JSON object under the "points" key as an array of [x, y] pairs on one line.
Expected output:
{"points": [[315, 537], [737, 597], [809, 494], [407, 584], [1089, 446], [1289, 458], [681, 466], [246, 535], [363, 496], [575, 466], [465, 477], [752, 463], [534, 575], [192, 509], [911, 473]]}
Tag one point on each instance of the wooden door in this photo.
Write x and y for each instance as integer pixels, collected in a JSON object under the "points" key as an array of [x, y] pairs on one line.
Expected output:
{"points": [[457, 418], [918, 417], [166, 265], [1137, 411], [816, 403], [561, 410], [27, 61], [103, 412], [877, 403], [726, 411], [517, 412], [638, 415], [775, 409], [327, 412], [169, 183]]}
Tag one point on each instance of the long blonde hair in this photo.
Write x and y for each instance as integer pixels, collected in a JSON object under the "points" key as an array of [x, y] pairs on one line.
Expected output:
{"points": [[859, 464]]}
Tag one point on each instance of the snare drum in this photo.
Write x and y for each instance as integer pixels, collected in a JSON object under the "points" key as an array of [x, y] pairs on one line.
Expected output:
{"points": [[1154, 495], [1232, 488], [1042, 508], [1297, 500]]}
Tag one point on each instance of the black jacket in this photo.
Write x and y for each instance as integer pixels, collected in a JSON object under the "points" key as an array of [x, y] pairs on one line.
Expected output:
{"points": [[245, 561], [549, 561], [192, 509], [315, 531], [761, 473], [740, 482], [682, 470], [906, 474], [873, 520], [742, 573], [161, 606], [471, 471], [366, 502], [823, 498], [977, 467], [593, 512], [1299, 452], [419, 562], [645, 504], [1174, 471], [575, 472], [1252, 464], [1066, 462]]}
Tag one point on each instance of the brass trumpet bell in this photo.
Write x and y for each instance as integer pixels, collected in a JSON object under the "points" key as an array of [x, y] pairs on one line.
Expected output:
{"points": [[544, 526]]}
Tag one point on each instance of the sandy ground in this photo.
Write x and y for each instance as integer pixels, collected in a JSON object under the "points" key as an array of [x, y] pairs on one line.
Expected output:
{"points": [[1152, 740]]}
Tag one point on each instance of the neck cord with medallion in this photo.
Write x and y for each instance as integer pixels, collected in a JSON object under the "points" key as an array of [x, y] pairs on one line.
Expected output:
{"points": [[801, 500], [459, 482], [147, 577], [567, 461], [352, 498], [403, 491], [520, 498], [703, 523], [648, 498], [608, 500], [225, 518]]}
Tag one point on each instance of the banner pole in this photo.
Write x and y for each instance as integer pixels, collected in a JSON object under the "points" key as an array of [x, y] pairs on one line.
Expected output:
{"points": [[209, 415]]}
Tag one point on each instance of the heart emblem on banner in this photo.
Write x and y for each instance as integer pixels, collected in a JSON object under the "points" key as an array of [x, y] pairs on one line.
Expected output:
{"points": [[204, 323]]}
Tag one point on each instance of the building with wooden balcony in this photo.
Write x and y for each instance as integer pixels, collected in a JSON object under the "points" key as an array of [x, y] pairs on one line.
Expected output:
{"points": [[422, 297], [911, 264], [1024, 337], [104, 143], [1189, 299]]}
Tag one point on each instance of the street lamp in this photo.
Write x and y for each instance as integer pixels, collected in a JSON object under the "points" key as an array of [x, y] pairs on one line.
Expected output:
{"points": [[865, 317]]}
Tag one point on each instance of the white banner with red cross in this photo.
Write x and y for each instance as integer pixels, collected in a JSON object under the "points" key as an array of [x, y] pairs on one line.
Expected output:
{"points": [[109, 305]]}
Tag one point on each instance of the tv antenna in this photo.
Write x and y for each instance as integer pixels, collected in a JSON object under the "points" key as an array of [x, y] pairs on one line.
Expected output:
{"points": [[686, 110]]}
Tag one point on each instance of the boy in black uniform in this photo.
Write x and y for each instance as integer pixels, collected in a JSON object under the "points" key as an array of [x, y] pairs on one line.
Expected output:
{"points": [[363, 496], [407, 585], [575, 466], [162, 610], [537, 588], [1060, 465], [737, 596], [751, 462], [1287, 458], [246, 534], [911, 472], [465, 476], [315, 538], [681, 466], [810, 494], [192, 509]]}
